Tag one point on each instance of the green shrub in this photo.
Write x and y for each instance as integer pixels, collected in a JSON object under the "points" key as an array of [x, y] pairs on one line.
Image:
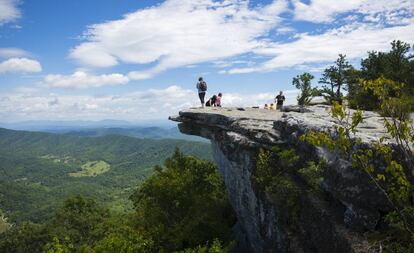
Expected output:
{"points": [[397, 234], [183, 205]]}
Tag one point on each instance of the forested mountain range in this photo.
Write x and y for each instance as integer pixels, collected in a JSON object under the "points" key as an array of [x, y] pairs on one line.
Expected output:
{"points": [[137, 132], [151, 130], [39, 170]]}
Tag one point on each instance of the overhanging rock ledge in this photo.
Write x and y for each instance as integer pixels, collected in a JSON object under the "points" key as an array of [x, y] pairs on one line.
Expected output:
{"points": [[333, 222]]}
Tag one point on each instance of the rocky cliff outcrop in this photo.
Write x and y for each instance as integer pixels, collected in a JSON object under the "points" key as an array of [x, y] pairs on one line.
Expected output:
{"points": [[333, 221]]}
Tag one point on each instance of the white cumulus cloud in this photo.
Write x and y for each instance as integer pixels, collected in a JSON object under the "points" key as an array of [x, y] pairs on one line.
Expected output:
{"points": [[177, 33], [82, 80], [258, 99], [364, 26], [323, 11], [29, 104], [20, 65], [8, 11], [151, 104], [10, 52], [353, 40]]}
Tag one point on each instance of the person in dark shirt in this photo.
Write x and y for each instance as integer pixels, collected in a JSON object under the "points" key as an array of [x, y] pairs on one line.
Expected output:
{"points": [[202, 89], [279, 99]]}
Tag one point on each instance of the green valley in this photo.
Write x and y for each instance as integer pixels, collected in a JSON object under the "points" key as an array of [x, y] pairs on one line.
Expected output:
{"points": [[92, 169], [41, 170], [181, 207]]}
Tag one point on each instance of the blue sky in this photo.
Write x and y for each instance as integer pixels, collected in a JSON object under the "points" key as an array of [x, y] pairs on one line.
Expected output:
{"points": [[139, 60]]}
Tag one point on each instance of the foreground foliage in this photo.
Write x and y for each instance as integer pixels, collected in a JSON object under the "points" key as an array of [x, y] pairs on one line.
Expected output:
{"points": [[181, 207], [183, 204], [390, 168]]}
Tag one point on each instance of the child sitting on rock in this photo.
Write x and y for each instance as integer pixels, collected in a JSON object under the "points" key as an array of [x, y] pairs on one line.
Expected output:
{"points": [[211, 101], [218, 100]]}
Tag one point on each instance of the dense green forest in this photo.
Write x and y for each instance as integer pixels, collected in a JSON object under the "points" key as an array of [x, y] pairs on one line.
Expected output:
{"points": [[39, 170], [181, 207]]}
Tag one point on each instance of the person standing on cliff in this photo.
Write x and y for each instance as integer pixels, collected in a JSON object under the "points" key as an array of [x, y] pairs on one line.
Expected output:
{"points": [[202, 89], [279, 99]]}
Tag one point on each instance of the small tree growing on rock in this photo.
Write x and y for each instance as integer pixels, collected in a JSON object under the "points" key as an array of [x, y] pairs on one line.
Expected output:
{"points": [[303, 83]]}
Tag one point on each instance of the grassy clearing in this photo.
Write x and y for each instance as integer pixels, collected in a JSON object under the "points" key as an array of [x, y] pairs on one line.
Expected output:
{"points": [[58, 159], [92, 169]]}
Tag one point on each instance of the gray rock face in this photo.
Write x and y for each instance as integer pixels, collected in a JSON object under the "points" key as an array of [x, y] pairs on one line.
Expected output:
{"points": [[331, 223], [255, 215]]}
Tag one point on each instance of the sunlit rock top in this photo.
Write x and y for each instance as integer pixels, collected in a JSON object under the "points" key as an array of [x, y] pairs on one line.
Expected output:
{"points": [[269, 126]]}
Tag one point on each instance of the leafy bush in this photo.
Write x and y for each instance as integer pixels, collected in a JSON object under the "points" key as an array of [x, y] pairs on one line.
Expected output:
{"points": [[183, 204], [215, 247], [395, 181], [127, 241], [27, 237]]}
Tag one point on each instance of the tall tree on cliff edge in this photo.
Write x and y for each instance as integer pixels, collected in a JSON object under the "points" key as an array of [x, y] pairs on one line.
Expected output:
{"points": [[336, 78]]}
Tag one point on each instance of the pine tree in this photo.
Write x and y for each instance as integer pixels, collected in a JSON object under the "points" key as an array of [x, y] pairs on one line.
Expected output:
{"points": [[336, 78]]}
